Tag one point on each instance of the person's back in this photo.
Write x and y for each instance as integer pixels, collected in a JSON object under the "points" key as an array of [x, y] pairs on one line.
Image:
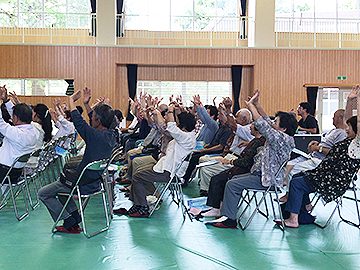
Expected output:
{"points": [[19, 139]]}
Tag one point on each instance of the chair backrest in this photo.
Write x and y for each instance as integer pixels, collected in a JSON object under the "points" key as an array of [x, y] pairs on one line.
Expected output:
{"points": [[22, 159], [98, 165], [182, 166]]}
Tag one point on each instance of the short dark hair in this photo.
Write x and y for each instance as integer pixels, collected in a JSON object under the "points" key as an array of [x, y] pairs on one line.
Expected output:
{"points": [[352, 121], [287, 121], [306, 106], [213, 111], [187, 121], [105, 114], [23, 112]]}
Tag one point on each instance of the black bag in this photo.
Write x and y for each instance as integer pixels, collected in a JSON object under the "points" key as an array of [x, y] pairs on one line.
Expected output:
{"points": [[69, 176]]}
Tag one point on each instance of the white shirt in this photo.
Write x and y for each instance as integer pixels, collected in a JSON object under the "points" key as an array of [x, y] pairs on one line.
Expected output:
{"points": [[177, 150], [65, 127], [243, 133], [18, 140]]}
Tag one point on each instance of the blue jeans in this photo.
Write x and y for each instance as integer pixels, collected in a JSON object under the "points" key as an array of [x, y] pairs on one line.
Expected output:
{"points": [[299, 191]]}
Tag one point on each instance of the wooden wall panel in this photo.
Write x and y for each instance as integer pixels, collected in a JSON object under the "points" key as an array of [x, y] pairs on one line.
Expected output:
{"points": [[278, 73]]}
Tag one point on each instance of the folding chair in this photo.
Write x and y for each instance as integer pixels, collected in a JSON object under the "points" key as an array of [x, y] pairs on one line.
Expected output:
{"points": [[82, 199], [175, 188], [15, 189], [268, 192], [339, 204]]}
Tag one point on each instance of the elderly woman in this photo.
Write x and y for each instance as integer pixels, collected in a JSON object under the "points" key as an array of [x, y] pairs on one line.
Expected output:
{"points": [[330, 179], [278, 146]]}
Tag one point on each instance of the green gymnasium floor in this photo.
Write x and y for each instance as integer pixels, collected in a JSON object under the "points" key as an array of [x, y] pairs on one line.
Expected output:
{"points": [[165, 242]]}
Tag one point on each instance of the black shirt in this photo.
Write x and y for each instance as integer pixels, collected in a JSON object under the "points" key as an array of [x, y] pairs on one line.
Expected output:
{"points": [[310, 122]]}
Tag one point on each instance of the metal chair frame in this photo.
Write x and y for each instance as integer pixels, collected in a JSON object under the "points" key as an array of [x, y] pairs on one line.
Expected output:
{"points": [[272, 189], [175, 189], [339, 203], [16, 188]]}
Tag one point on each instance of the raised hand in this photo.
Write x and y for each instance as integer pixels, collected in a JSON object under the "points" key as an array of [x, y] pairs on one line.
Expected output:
{"points": [[87, 94], [3, 93], [255, 98], [76, 96], [14, 97]]}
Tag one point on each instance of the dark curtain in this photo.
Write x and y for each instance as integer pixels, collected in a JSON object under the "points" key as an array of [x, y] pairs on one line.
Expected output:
{"points": [[236, 74], [93, 17], [243, 4], [119, 11], [70, 89], [132, 82], [311, 94]]}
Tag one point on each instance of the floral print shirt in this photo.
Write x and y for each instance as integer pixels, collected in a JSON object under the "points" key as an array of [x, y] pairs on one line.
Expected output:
{"points": [[333, 175], [274, 154]]}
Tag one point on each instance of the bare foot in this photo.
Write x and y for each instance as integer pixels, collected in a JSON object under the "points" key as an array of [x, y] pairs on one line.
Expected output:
{"points": [[214, 212], [291, 224]]}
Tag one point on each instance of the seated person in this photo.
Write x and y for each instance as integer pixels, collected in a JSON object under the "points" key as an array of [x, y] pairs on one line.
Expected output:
{"points": [[100, 141], [241, 165], [241, 126], [307, 123], [19, 139], [318, 151], [264, 173], [208, 116], [178, 149], [216, 146], [330, 179]]}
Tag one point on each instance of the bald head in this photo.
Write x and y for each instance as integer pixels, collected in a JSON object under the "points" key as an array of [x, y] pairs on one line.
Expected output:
{"points": [[339, 118], [243, 117]]}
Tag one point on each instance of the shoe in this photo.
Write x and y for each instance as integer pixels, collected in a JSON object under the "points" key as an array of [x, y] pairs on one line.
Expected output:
{"points": [[125, 189], [226, 224], [123, 181], [139, 215], [120, 211], [72, 230], [203, 193]]}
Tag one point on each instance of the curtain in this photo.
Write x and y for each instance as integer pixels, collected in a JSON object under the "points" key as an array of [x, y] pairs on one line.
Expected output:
{"points": [[311, 94], [70, 89], [236, 74], [132, 83], [243, 34], [119, 11], [93, 17]]}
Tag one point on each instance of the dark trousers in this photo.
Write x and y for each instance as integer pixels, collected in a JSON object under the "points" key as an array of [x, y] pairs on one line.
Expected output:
{"points": [[216, 188], [298, 194], [14, 174], [192, 164]]}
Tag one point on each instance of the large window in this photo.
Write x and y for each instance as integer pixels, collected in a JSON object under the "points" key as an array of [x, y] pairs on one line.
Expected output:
{"points": [[207, 90], [35, 87], [184, 15], [45, 13], [320, 16], [330, 100]]}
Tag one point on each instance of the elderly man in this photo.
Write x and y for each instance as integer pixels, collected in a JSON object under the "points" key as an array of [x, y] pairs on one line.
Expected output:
{"points": [[100, 140], [241, 127], [19, 139], [318, 151]]}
